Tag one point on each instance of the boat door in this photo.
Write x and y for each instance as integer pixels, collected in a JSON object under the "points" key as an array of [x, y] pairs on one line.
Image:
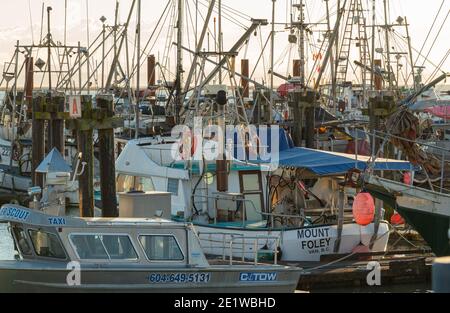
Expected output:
{"points": [[251, 187]]}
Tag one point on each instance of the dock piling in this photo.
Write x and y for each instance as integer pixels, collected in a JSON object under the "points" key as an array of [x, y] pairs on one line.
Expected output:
{"points": [[107, 161]]}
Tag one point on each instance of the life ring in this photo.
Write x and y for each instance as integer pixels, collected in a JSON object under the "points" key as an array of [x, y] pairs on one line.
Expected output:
{"points": [[187, 140], [349, 177]]}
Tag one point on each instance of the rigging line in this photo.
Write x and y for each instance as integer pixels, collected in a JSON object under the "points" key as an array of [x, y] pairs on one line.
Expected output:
{"points": [[232, 11], [210, 33], [156, 28], [227, 7], [315, 64], [260, 56], [291, 46], [170, 29], [31, 21], [436, 71], [135, 52], [163, 15], [247, 43], [263, 56], [429, 32], [42, 23], [170, 32], [415, 50], [227, 17], [437, 36], [282, 56], [187, 27]]}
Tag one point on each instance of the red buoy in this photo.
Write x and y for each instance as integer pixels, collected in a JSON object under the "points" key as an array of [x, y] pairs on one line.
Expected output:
{"points": [[407, 178], [363, 208], [397, 219]]}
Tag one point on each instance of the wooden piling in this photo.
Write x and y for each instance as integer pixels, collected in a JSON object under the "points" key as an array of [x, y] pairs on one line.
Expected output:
{"points": [[303, 105], [38, 139], [310, 120], [86, 147], [107, 161], [57, 124], [29, 82]]}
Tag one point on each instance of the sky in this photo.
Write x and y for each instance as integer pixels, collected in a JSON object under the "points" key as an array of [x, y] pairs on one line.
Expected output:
{"points": [[21, 20]]}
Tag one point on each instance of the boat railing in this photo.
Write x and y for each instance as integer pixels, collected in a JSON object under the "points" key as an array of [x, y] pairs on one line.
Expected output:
{"points": [[442, 151], [241, 197], [242, 244]]}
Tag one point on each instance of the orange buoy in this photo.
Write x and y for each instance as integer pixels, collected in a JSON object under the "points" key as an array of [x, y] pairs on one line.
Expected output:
{"points": [[407, 178], [363, 208], [397, 219]]}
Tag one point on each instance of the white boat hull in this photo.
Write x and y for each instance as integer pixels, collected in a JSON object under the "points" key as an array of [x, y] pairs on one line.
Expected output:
{"points": [[300, 244]]}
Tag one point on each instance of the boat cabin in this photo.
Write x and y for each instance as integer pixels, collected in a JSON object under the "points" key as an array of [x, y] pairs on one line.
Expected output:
{"points": [[102, 241]]}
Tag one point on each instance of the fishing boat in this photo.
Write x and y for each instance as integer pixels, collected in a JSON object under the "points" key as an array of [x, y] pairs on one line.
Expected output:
{"points": [[122, 255], [259, 201], [60, 253]]}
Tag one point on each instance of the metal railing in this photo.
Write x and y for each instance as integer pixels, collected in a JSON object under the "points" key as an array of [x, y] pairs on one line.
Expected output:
{"points": [[249, 245], [384, 136], [235, 198]]}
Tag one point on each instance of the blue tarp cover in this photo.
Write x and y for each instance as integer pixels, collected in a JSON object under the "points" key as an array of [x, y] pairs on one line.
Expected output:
{"points": [[331, 163]]}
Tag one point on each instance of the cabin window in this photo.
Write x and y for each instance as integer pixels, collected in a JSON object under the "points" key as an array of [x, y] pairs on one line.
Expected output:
{"points": [[172, 186], [127, 183], [251, 187], [22, 242], [103, 247], [46, 244], [161, 248]]}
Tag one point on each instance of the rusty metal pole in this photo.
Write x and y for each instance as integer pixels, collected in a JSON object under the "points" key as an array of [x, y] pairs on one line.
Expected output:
{"points": [[244, 81], [107, 160], [86, 147], [151, 73]]}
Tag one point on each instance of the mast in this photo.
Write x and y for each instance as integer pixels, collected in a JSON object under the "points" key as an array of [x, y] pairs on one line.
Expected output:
{"points": [[14, 106], [272, 51], [138, 73], [388, 49], [49, 51], [88, 61], [65, 22], [302, 43], [116, 20], [336, 60], [372, 73], [103, 20], [333, 86], [179, 75], [410, 54], [220, 38]]}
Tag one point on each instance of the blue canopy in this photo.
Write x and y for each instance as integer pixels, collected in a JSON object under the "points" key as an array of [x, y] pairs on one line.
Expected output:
{"points": [[325, 163]]}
